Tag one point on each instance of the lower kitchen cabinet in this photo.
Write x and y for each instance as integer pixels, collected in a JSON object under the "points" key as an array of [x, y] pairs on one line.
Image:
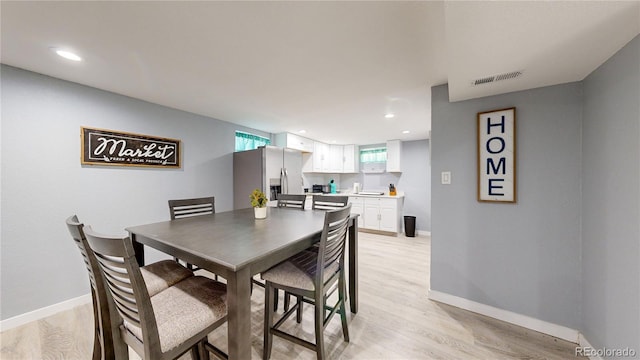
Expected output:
{"points": [[378, 213], [357, 207]]}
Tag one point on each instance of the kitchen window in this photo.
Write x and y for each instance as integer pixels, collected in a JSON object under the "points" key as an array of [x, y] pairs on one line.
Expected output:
{"points": [[246, 141], [373, 155]]}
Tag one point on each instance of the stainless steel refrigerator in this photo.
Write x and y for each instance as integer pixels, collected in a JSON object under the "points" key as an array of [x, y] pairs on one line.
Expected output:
{"points": [[271, 169]]}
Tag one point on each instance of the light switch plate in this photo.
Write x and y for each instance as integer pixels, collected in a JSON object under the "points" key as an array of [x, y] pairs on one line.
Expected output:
{"points": [[445, 178]]}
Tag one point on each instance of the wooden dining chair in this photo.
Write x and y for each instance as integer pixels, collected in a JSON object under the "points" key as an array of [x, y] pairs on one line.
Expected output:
{"points": [[292, 201], [172, 322], [320, 202], [311, 275], [329, 202], [184, 208], [158, 276], [289, 201]]}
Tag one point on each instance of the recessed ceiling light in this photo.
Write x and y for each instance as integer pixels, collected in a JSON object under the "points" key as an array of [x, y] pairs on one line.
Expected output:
{"points": [[406, 131], [302, 131], [389, 116], [68, 55]]}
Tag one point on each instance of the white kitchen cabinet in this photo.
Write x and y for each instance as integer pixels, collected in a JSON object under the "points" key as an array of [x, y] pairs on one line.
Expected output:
{"points": [[371, 214], [351, 155], [388, 215], [357, 207], [292, 141], [378, 213], [320, 157], [336, 158], [394, 154]]}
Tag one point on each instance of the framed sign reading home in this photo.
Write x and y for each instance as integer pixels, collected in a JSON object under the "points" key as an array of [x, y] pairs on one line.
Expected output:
{"points": [[497, 156], [115, 148]]}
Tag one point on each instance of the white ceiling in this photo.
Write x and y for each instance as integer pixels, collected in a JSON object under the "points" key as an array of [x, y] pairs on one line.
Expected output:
{"points": [[331, 68]]}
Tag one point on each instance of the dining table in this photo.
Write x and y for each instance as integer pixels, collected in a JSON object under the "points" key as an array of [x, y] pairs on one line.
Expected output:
{"points": [[237, 246]]}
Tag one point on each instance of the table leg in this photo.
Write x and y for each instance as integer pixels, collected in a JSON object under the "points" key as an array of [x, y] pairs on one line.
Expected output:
{"points": [[353, 265], [138, 249], [239, 314]]}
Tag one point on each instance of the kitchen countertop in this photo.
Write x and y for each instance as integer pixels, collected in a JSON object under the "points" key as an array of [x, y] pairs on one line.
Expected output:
{"points": [[385, 195]]}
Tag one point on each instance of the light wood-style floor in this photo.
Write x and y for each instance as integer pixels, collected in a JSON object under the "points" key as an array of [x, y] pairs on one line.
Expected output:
{"points": [[395, 321]]}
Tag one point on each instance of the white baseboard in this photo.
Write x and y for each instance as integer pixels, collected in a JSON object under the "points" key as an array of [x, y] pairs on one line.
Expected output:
{"points": [[528, 322], [423, 232], [44, 312]]}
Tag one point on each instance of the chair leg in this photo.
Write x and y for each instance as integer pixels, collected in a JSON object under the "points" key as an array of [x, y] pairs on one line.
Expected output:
{"points": [[276, 298], [195, 352], [97, 344], [268, 319], [204, 353], [342, 290], [299, 311], [287, 301], [319, 327]]}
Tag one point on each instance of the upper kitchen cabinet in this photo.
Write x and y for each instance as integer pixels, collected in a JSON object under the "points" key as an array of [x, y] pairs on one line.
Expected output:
{"points": [[333, 159], [292, 141], [320, 158], [351, 154], [394, 150], [336, 158]]}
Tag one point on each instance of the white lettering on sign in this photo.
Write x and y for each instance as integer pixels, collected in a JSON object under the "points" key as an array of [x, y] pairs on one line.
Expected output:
{"points": [[496, 156], [119, 147]]}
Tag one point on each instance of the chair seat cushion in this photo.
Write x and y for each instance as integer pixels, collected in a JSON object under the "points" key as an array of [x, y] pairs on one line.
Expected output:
{"points": [[163, 274], [185, 309], [298, 271]]}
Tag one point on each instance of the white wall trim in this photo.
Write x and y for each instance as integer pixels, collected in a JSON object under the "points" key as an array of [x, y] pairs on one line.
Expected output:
{"points": [[528, 322], [423, 232], [44, 312]]}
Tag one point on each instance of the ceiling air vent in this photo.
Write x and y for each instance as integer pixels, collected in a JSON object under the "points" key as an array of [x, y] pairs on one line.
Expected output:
{"points": [[494, 78]]}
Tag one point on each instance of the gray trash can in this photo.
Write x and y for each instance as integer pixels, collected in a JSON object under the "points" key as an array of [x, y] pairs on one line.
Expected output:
{"points": [[410, 226]]}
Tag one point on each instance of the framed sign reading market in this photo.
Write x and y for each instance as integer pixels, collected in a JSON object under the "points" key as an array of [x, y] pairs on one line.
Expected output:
{"points": [[116, 148], [497, 156]]}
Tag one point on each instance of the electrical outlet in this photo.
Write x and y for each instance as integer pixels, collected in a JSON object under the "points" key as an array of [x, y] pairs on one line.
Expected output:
{"points": [[445, 178]]}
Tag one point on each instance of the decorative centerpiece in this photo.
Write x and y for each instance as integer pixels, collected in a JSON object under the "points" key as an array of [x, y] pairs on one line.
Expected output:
{"points": [[259, 203]]}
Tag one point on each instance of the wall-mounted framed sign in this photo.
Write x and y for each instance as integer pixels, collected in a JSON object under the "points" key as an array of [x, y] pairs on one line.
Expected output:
{"points": [[497, 156], [115, 148]]}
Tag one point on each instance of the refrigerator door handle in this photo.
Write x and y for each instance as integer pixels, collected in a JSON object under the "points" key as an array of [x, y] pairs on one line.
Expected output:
{"points": [[285, 182]]}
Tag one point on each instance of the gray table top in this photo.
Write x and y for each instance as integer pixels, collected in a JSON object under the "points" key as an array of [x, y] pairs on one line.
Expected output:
{"points": [[234, 239]]}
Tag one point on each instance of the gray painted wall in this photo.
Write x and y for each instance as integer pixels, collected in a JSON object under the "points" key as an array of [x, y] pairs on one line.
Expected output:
{"points": [[523, 257], [43, 182], [611, 202], [415, 181]]}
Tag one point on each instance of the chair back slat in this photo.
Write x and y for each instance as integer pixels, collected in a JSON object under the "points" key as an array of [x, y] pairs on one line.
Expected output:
{"points": [[292, 201], [329, 202], [332, 241], [183, 208], [120, 286], [118, 264], [335, 244]]}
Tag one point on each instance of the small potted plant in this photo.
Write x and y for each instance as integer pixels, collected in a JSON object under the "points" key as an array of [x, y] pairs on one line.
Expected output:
{"points": [[259, 203]]}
